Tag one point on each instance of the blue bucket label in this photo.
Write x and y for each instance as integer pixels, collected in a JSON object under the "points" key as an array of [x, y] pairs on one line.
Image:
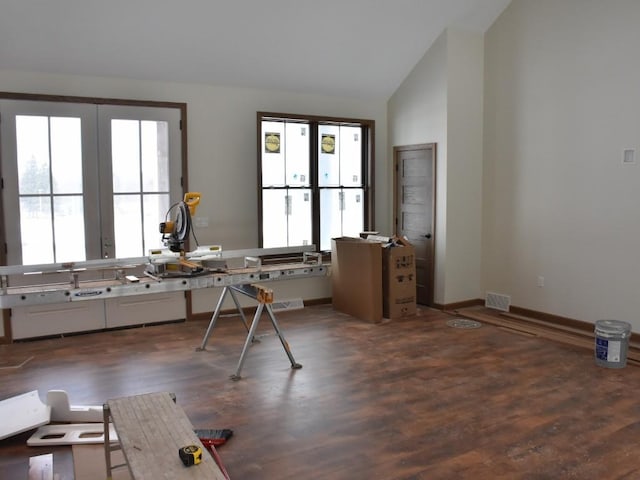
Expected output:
{"points": [[607, 350]]}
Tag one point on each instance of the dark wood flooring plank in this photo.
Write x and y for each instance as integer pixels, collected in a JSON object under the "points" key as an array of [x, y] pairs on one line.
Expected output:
{"points": [[411, 399]]}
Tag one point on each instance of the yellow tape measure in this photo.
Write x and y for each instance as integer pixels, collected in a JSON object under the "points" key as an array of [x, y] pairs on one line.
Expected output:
{"points": [[190, 455]]}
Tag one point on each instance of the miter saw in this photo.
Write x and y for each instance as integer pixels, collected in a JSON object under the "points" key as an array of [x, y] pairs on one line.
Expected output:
{"points": [[174, 235]]}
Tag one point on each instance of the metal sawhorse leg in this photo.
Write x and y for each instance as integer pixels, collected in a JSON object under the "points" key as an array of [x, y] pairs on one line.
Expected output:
{"points": [[264, 297]]}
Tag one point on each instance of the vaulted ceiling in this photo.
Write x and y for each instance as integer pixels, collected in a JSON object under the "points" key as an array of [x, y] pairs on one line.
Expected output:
{"points": [[354, 48]]}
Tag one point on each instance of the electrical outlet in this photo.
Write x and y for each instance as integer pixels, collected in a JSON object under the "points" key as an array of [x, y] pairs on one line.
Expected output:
{"points": [[540, 281]]}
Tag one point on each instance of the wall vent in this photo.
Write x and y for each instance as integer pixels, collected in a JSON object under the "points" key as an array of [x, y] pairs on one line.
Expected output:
{"points": [[293, 304], [497, 301], [629, 156]]}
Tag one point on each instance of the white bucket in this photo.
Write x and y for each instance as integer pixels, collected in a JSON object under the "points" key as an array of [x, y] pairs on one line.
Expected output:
{"points": [[612, 343]]}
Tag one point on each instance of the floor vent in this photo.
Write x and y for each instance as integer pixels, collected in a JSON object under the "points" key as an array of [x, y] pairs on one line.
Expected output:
{"points": [[463, 323], [497, 301], [294, 304]]}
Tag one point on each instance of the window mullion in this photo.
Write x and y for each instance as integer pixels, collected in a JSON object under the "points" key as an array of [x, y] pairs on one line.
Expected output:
{"points": [[52, 214], [315, 190]]}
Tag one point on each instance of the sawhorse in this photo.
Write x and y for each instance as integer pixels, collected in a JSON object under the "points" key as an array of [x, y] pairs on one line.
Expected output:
{"points": [[264, 297]]}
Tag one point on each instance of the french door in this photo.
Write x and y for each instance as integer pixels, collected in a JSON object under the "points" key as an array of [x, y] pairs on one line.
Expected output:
{"points": [[82, 182]]}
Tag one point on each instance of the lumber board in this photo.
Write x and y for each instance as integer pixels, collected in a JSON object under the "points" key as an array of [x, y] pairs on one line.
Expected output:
{"points": [[70, 434], [22, 413], [538, 328]]}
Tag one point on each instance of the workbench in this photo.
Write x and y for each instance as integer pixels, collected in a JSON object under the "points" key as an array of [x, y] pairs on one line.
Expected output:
{"points": [[243, 280], [76, 289], [151, 429]]}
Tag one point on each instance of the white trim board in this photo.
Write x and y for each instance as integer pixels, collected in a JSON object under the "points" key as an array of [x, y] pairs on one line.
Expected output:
{"points": [[71, 434], [22, 413], [61, 411]]}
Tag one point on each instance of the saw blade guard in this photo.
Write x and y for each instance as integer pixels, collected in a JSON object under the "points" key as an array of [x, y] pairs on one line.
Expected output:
{"points": [[176, 232]]}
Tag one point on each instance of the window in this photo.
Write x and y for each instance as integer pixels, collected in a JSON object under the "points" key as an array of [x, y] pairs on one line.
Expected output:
{"points": [[315, 179], [85, 181]]}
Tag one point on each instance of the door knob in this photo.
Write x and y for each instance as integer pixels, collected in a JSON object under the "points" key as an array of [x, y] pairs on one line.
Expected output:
{"points": [[428, 235]]}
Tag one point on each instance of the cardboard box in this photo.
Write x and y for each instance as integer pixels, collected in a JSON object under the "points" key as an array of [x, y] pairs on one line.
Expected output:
{"points": [[398, 280], [356, 277], [371, 280]]}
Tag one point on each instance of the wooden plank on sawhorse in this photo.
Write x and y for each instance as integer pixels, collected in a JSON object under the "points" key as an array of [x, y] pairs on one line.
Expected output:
{"points": [[151, 430], [257, 292], [264, 297]]}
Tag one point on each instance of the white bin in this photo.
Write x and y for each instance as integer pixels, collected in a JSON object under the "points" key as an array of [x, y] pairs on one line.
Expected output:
{"points": [[612, 343]]}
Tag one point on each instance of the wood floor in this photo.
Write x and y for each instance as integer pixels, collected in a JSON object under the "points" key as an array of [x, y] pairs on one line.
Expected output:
{"points": [[409, 399]]}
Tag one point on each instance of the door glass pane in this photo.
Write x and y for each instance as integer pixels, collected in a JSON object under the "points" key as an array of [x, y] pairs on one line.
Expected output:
{"points": [[273, 154], [274, 218], [125, 155], [328, 156], [49, 159], [155, 208], [66, 155], [297, 154], [69, 228], [330, 217], [351, 156], [32, 144], [36, 230], [135, 145], [127, 225], [299, 219], [155, 156]]}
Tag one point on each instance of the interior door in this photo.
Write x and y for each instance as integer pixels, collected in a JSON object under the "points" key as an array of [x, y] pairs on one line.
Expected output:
{"points": [[75, 189], [414, 207]]}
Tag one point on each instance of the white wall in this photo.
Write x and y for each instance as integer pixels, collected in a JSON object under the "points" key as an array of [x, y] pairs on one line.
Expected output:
{"points": [[464, 165], [441, 102], [562, 97], [222, 151], [417, 113]]}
